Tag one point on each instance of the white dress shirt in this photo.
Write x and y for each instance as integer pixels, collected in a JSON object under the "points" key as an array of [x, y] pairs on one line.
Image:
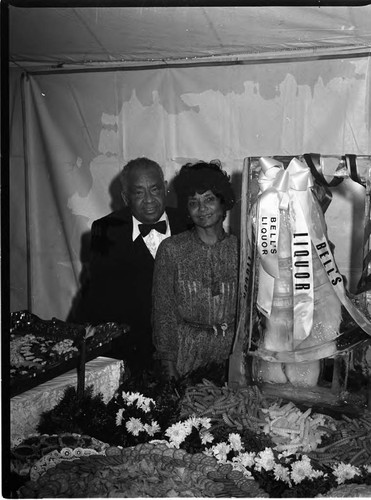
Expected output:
{"points": [[153, 238]]}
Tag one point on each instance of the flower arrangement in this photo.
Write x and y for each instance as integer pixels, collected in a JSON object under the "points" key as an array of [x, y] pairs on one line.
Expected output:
{"points": [[283, 464], [195, 427], [139, 407], [280, 473]]}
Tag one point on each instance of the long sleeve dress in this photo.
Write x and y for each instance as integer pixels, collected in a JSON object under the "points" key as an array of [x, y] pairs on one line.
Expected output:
{"points": [[194, 300]]}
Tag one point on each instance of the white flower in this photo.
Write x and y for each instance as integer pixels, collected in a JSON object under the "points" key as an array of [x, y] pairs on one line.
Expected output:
{"points": [[125, 395], [131, 397], [206, 437], [140, 400], [205, 422], [301, 470], [235, 440], [265, 460], [119, 416], [146, 404], [187, 424], [208, 452], [220, 451], [198, 422], [247, 459], [281, 473], [367, 468], [317, 473], [152, 429], [238, 466], [134, 425], [194, 421], [177, 433], [343, 471]]}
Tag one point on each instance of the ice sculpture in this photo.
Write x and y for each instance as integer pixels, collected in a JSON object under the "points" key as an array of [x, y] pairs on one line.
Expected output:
{"points": [[299, 290]]}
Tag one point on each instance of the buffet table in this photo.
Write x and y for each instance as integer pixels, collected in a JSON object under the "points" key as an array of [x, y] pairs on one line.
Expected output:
{"points": [[41, 350], [25, 409]]}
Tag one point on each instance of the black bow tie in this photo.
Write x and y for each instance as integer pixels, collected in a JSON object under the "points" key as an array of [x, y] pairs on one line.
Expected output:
{"points": [[146, 228]]}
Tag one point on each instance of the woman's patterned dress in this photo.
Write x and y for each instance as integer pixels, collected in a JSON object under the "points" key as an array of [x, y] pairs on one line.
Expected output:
{"points": [[194, 300]]}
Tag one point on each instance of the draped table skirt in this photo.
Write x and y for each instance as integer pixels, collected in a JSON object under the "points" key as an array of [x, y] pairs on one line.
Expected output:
{"points": [[103, 373]]}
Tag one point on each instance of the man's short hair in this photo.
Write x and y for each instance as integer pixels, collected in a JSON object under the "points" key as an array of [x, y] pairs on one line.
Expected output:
{"points": [[142, 162]]}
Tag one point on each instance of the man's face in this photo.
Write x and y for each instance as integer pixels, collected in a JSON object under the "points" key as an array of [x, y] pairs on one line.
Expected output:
{"points": [[146, 195]]}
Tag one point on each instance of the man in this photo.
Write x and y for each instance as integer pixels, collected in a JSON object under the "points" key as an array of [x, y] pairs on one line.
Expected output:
{"points": [[123, 249]]}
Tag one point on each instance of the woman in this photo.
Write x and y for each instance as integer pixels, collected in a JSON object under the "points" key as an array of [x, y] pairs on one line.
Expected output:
{"points": [[195, 276]]}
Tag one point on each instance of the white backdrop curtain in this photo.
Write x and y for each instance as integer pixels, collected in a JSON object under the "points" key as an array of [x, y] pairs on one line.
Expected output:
{"points": [[81, 127]]}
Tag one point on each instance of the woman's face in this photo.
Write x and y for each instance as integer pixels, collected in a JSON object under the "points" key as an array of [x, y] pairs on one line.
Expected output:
{"points": [[206, 209]]}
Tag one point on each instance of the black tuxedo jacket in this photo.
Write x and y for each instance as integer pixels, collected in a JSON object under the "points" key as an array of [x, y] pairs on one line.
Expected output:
{"points": [[119, 285]]}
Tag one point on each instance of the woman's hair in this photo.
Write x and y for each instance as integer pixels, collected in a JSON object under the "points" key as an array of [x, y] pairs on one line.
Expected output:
{"points": [[201, 177]]}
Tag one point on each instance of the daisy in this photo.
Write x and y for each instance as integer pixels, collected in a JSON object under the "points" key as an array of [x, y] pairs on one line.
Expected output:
{"points": [[188, 426], [125, 395], [140, 401], [206, 437], [152, 429], [146, 404], [177, 433], [205, 422], [194, 421], [343, 472], [265, 460], [208, 452], [247, 459], [317, 473], [134, 425], [281, 473], [238, 466], [301, 469], [221, 451], [235, 441], [131, 397]]}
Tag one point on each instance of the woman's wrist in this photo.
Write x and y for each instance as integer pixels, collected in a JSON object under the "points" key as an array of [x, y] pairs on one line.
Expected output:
{"points": [[169, 367]]}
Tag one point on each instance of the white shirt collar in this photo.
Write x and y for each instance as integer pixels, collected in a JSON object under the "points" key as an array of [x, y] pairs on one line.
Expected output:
{"points": [[136, 223]]}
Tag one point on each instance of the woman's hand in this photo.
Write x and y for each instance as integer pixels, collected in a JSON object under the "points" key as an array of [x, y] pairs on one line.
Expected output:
{"points": [[169, 369]]}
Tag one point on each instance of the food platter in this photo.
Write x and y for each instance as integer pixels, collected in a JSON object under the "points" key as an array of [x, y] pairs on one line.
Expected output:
{"points": [[43, 349], [147, 470]]}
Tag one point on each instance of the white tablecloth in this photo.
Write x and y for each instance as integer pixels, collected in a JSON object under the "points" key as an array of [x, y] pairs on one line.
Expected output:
{"points": [[103, 373]]}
